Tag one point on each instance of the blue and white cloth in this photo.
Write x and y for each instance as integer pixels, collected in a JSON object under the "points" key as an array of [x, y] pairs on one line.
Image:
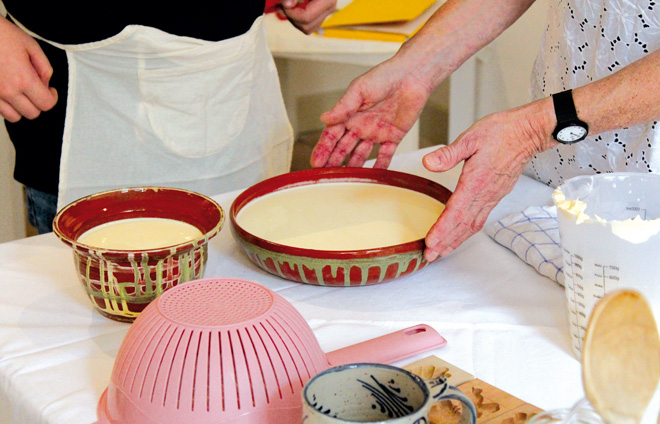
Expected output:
{"points": [[533, 235]]}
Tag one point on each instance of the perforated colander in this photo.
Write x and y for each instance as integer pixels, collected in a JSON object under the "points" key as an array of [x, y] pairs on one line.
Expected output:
{"points": [[227, 350]]}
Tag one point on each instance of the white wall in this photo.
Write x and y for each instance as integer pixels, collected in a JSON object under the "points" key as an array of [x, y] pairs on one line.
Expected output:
{"points": [[505, 67]]}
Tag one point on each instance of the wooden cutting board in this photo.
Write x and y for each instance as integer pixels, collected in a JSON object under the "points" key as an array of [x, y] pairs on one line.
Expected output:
{"points": [[494, 406]]}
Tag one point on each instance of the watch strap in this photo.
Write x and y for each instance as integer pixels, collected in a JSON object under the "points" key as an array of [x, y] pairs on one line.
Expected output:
{"points": [[564, 106]]}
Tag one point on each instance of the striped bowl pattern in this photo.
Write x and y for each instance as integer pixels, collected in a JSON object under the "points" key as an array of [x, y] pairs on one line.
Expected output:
{"points": [[121, 283]]}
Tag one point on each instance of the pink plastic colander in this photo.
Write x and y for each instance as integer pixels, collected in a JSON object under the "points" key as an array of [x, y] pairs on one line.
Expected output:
{"points": [[229, 351]]}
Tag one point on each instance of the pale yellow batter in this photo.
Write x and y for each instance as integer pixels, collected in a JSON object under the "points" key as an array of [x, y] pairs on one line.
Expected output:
{"points": [[341, 216], [139, 234]]}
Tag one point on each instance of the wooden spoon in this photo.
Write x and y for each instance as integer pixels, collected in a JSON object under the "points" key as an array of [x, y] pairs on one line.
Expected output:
{"points": [[621, 357]]}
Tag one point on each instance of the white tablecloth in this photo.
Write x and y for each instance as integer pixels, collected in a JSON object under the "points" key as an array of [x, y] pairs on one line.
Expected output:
{"points": [[504, 323]]}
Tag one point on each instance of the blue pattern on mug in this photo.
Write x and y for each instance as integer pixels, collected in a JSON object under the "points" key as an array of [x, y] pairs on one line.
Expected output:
{"points": [[327, 411], [365, 392], [388, 398], [439, 382]]}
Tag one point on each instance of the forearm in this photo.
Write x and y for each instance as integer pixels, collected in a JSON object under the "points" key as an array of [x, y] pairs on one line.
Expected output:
{"points": [[458, 30], [628, 97]]}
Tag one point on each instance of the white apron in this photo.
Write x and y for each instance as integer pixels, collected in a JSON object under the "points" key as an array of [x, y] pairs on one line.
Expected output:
{"points": [[150, 108], [587, 40]]}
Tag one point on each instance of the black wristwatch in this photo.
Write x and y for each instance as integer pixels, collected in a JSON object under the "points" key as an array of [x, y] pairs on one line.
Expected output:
{"points": [[569, 128]]}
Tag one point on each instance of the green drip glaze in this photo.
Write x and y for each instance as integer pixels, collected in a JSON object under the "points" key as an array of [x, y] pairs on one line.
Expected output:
{"points": [[115, 295], [259, 256]]}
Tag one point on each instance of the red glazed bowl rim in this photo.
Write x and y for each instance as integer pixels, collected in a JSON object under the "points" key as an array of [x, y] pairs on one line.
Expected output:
{"points": [[326, 175], [204, 213]]}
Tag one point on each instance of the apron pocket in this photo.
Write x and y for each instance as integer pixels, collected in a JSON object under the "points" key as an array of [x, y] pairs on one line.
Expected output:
{"points": [[197, 110]]}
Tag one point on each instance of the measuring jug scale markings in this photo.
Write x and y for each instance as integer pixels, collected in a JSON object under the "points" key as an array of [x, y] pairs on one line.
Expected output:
{"points": [[605, 279], [609, 227]]}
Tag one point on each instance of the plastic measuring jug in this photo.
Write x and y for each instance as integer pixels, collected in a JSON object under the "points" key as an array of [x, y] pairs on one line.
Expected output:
{"points": [[609, 227]]}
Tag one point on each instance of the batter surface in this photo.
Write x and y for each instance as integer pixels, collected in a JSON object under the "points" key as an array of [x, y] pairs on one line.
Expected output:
{"points": [[341, 216], [139, 233]]}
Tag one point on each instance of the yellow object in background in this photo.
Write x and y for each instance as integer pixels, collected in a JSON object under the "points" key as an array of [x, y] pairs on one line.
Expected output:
{"points": [[384, 20]]}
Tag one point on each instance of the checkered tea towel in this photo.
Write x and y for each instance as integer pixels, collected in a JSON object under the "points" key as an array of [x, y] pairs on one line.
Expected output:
{"points": [[533, 235]]}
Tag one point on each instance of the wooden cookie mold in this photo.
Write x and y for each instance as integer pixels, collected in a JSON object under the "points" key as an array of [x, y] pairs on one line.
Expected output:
{"points": [[494, 406]]}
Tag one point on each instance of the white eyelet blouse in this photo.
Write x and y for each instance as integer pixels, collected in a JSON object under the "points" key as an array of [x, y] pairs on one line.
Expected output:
{"points": [[586, 40]]}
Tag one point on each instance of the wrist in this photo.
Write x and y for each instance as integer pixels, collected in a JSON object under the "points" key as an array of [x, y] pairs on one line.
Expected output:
{"points": [[411, 67], [542, 122]]}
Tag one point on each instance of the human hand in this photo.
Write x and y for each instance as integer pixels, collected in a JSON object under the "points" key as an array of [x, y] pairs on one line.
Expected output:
{"points": [[496, 150], [308, 15], [24, 75], [378, 109]]}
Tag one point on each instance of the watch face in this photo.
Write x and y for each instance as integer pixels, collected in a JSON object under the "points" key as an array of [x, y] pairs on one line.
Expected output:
{"points": [[571, 133]]}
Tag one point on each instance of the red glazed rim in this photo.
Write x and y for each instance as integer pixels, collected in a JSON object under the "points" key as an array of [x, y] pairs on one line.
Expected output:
{"points": [[328, 175], [139, 202]]}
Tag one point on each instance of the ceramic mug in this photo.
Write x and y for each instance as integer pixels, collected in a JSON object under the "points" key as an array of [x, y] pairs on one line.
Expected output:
{"points": [[377, 393]]}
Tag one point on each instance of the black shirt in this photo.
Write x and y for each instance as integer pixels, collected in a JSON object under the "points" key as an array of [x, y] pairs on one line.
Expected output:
{"points": [[38, 142]]}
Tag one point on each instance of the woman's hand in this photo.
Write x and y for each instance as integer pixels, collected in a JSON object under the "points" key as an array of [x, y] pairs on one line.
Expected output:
{"points": [[496, 150], [378, 109]]}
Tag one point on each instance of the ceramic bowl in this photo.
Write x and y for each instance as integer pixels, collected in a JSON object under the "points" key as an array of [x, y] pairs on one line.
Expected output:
{"points": [[334, 268], [121, 283]]}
